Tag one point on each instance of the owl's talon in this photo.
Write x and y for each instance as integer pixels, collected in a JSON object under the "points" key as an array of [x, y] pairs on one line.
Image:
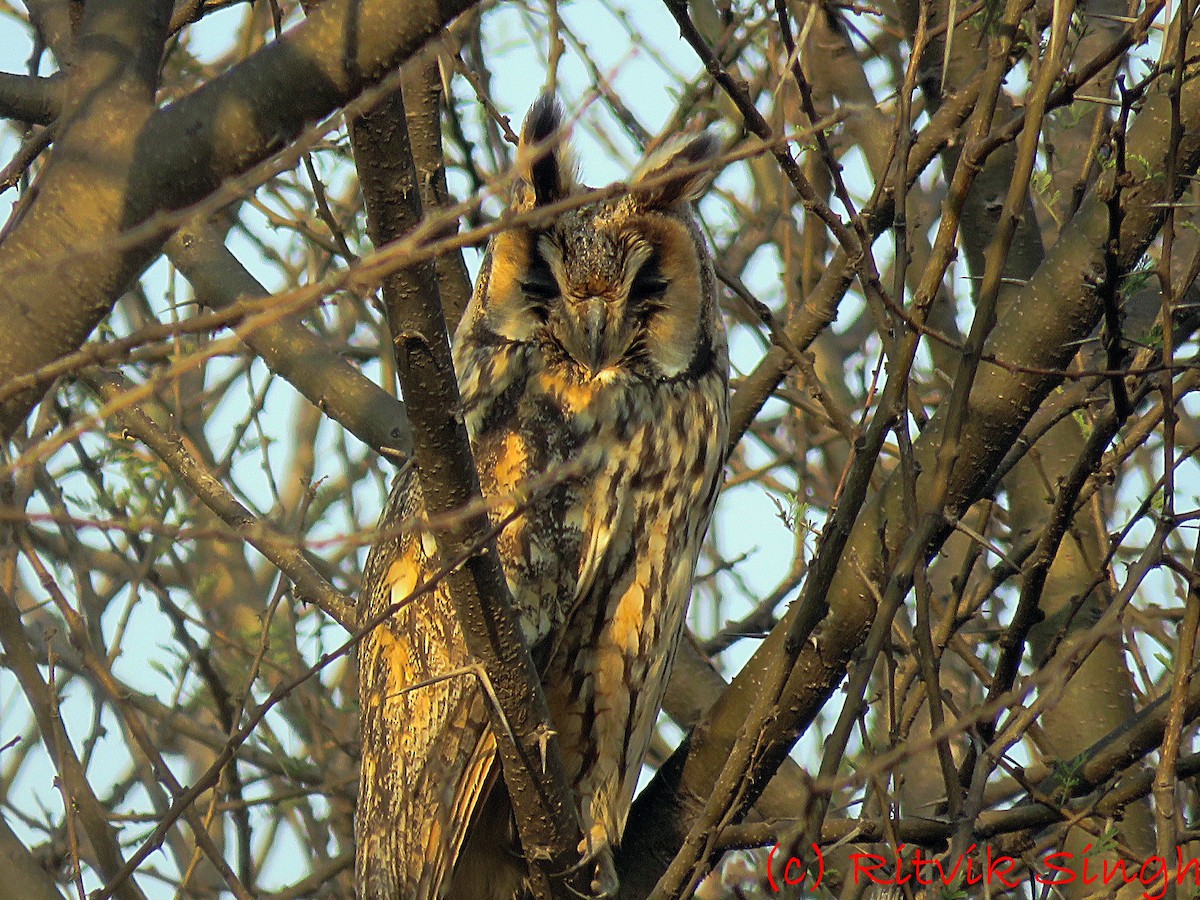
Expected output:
{"points": [[595, 850], [604, 878], [604, 881]]}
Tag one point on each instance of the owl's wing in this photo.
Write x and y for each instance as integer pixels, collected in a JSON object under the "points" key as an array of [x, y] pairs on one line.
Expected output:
{"points": [[428, 752]]}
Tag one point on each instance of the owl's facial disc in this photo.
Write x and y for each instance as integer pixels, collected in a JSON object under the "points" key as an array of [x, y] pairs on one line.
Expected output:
{"points": [[613, 291], [596, 297]]}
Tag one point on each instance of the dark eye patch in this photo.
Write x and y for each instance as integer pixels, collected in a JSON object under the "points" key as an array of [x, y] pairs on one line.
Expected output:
{"points": [[539, 284], [649, 283], [536, 289]]}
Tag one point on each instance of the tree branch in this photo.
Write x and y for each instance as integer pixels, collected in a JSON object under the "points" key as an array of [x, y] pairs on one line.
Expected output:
{"points": [[167, 159], [22, 875], [290, 349], [537, 781], [1031, 816], [281, 550], [1058, 307], [422, 90], [29, 98], [82, 801]]}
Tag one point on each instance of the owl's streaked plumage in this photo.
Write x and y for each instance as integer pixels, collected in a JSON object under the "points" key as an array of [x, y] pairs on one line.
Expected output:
{"points": [[592, 348]]}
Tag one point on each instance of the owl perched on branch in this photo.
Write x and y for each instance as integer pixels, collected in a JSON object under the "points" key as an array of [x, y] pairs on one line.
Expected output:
{"points": [[593, 370]]}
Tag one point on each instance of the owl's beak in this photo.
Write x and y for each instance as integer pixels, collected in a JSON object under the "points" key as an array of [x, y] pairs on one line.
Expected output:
{"points": [[596, 336]]}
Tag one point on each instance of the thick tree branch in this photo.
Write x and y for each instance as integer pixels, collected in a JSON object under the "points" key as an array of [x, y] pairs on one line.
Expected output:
{"points": [[22, 875], [56, 22], [29, 98], [533, 769], [117, 161], [422, 88], [109, 95], [692, 690]]}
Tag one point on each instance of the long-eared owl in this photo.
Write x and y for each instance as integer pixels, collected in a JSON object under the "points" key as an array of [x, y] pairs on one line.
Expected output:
{"points": [[593, 370]]}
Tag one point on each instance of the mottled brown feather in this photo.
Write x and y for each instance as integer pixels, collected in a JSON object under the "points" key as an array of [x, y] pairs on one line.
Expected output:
{"points": [[598, 417]]}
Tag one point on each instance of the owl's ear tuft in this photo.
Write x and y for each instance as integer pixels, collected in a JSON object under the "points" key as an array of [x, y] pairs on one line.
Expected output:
{"points": [[548, 169], [680, 171]]}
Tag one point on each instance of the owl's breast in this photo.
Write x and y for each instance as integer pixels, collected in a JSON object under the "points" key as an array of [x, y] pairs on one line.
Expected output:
{"points": [[532, 445], [568, 464]]}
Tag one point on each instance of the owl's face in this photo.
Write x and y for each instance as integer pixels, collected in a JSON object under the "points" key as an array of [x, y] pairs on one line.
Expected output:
{"points": [[619, 286]]}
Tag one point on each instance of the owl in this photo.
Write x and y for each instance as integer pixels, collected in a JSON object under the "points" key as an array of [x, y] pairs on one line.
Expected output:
{"points": [[593, 370]]}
